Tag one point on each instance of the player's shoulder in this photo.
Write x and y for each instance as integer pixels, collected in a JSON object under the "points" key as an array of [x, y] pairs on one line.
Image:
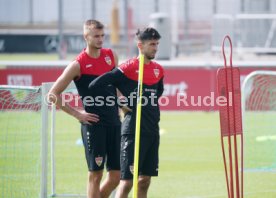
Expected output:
{"points": [[74, 64], [158, 66], [107, 51], [129, 64], [72, 70], [82, 55], [132, 62]]}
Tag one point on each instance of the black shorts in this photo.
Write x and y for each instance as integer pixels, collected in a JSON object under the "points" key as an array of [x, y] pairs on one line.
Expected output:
{"points": [[148, 155], [101, 144]]}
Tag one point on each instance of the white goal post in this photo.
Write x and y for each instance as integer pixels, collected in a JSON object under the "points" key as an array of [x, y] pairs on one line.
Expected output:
{"points": [[72, 90]]}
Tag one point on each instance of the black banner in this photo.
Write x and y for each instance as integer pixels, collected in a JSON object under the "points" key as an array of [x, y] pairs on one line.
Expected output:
{"points": [[12, 43]]}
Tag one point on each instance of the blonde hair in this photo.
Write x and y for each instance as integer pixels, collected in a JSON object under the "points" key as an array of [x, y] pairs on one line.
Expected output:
{"points": [[91, 23]]}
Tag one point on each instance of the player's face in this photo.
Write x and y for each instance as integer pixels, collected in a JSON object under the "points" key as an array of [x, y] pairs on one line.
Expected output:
{"points": [[95, 38], [149, 48]]}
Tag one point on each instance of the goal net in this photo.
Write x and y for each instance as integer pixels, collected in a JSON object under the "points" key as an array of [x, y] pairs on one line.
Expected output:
{"points": [[41, 153], [20, 141], [259, 116]]}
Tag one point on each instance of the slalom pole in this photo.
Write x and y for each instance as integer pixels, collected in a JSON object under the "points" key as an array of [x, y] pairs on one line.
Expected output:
{"points": [[138, 125]]}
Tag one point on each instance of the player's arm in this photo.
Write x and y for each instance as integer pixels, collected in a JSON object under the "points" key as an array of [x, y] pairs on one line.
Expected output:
{"points": [[113, 77], [71, 72], [110, 78], [125, 109], [116, 59], [160, 88]]}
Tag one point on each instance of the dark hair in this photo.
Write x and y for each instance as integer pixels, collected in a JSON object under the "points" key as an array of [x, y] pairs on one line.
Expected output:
{"points": [[148, 33], [95, 23]]}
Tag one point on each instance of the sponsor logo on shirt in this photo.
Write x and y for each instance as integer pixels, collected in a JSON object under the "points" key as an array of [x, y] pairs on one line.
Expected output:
{"points": [[89, 65]]}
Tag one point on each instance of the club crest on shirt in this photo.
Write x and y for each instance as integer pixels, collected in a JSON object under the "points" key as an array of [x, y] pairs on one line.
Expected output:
{"points": [[156, 72], [108, 60], [131, 169], [99, 160]]}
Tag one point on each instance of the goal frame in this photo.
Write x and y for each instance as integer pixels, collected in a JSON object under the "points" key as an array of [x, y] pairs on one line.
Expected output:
{"points": [[49, 126], [245, 82], [44, 88], [47, 133]]}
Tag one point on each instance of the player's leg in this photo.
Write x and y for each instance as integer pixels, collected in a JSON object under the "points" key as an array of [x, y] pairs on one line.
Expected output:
{"points": [[113, 161], [110, 183], [93, 184], [124, 188], [149, 165], [126, 163], [143, 186], [94, 143]]}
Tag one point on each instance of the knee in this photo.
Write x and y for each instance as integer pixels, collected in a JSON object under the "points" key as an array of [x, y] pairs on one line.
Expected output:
{"points": [[114, 178], [144, 183], [125, 186], [95, 177]]}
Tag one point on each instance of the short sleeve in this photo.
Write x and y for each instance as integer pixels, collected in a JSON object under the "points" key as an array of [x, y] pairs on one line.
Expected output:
{"points": [[126, 67]]}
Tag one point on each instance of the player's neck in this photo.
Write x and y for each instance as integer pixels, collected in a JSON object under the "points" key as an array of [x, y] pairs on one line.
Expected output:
{"points": [[146, 61], [93, 52]]}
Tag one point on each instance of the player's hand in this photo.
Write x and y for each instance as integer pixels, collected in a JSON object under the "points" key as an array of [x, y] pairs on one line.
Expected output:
{"points": [[87, 118], [126, 109]]}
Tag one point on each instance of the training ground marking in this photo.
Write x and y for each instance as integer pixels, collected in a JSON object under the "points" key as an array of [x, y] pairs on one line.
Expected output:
{"points": [[266, 138]]}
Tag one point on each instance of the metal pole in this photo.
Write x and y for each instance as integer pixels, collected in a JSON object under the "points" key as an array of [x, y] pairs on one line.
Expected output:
{"points": [[126, 20], [268, 5], [60, 28], [126, 26], [186, 24], [31, 11], [44, 139], [186, 17], [53, 160], [242, 6], [93, 9], [174, 27], [215, 7], [156, 6]]}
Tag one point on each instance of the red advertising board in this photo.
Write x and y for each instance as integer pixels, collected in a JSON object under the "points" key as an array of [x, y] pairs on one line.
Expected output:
{"points": [[186, 88]]}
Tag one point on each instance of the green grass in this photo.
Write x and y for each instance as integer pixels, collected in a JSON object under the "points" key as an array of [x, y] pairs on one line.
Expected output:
{"points": [[190, 157]]}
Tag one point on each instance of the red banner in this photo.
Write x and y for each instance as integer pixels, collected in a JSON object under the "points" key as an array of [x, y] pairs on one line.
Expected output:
{"points": [[186, 88]]}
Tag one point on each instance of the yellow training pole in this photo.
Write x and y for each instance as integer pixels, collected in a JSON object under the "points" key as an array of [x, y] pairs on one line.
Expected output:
{"points": [[138, 124]]}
